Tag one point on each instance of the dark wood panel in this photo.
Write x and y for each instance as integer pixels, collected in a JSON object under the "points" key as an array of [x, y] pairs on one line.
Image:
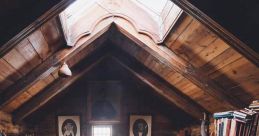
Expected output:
{"points": [[166, 57], [222, 60], [161, 87], [136, 99], [194, 38], [51, 64], [7, 72], [55, 88], [229, 38]]}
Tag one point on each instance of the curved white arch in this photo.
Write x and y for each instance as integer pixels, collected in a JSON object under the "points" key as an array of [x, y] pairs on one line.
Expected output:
{"points": [[77, 24]]}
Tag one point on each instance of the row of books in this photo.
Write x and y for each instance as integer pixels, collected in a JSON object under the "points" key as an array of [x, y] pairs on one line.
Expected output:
{"points": [[243, 122], [254, 105]]}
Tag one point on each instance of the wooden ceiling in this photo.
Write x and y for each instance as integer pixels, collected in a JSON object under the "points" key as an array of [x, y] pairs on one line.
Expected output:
{"points": [[195, 68]]}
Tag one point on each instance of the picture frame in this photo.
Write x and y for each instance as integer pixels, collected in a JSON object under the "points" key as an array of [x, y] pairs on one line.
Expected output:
{"points": [[69, 125], [104, 102], [140, 125]]}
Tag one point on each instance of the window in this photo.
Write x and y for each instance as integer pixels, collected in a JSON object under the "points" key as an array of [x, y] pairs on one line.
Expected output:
{"points": [[102, 130]]}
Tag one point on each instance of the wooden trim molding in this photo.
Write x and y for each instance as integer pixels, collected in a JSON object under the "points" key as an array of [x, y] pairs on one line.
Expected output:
{"points": [[229, 38]]}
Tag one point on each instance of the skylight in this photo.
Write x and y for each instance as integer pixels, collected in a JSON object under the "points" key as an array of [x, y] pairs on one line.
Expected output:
{"points": [[153, 18], [155, 5]]}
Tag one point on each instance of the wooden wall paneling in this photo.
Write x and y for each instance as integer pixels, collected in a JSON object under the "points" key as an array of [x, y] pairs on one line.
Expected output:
{"points": [[136, 98], [196, 94], [8, 72], [143, 55], [180, 26], [232, 75], [4, 83], [174, 78], [54, 89], [229, 38], [51, 64], [40, 44], [250, 86], [222, 60], [10, 107], [29, 53], [209, 53], [168, 58], [185, 85], [41, 84], [55, 74], [163, 89], [192, 40], [28, 94], [53, 34], [238, 70], [17, 61]]}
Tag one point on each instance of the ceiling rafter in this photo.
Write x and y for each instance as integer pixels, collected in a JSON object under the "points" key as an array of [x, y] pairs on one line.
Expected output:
{"points": [[61, 84], [163, 88], [55, 88], [228, 37], [127, 40], [51, 64], [168, 58]]}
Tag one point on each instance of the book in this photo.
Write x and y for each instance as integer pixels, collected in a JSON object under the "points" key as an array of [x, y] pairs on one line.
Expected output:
{"points": [[233, 127], [244, 122]]}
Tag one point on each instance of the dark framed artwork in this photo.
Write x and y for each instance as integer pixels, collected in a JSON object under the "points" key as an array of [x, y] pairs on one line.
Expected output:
{"points": [[104, 101], [68, 125], [140, 125]]}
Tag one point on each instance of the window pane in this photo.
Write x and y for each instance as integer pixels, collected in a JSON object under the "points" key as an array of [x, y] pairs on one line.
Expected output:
{"points": [[102, 130]]}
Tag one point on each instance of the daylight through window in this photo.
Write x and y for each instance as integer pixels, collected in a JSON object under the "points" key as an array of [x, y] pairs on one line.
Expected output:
{"points": [[102, 130]]}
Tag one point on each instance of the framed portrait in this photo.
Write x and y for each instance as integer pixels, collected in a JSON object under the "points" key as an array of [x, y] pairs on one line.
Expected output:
{"points": [[68, 125], [140, 125], [104, 101]]}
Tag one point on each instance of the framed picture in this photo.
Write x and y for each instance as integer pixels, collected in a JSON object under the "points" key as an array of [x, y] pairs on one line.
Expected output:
{"points": [[104, 101], [140, 125], [68, 125]]}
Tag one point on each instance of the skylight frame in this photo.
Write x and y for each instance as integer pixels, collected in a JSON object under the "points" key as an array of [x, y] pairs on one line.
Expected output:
{"points": [[155, 25]]}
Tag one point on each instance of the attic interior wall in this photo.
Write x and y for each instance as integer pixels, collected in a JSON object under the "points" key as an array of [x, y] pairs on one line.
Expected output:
{"points": [[136, 99]]}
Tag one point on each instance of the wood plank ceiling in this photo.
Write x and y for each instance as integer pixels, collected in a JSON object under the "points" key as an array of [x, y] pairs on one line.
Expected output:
{"points": [[205, 70]]}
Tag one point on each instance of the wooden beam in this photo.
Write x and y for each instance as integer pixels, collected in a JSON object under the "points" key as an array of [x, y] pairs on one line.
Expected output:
{"points": [[161, 87], [92, 42], [126, 40], [55, 88], [229, 38], [50, 14]]}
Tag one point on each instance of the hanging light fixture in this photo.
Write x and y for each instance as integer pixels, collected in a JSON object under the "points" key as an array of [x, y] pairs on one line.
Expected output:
{"points": [[64, 71]]}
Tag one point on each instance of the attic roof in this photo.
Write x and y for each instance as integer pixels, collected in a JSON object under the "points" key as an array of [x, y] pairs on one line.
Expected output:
{"points": [[195, 69]]}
